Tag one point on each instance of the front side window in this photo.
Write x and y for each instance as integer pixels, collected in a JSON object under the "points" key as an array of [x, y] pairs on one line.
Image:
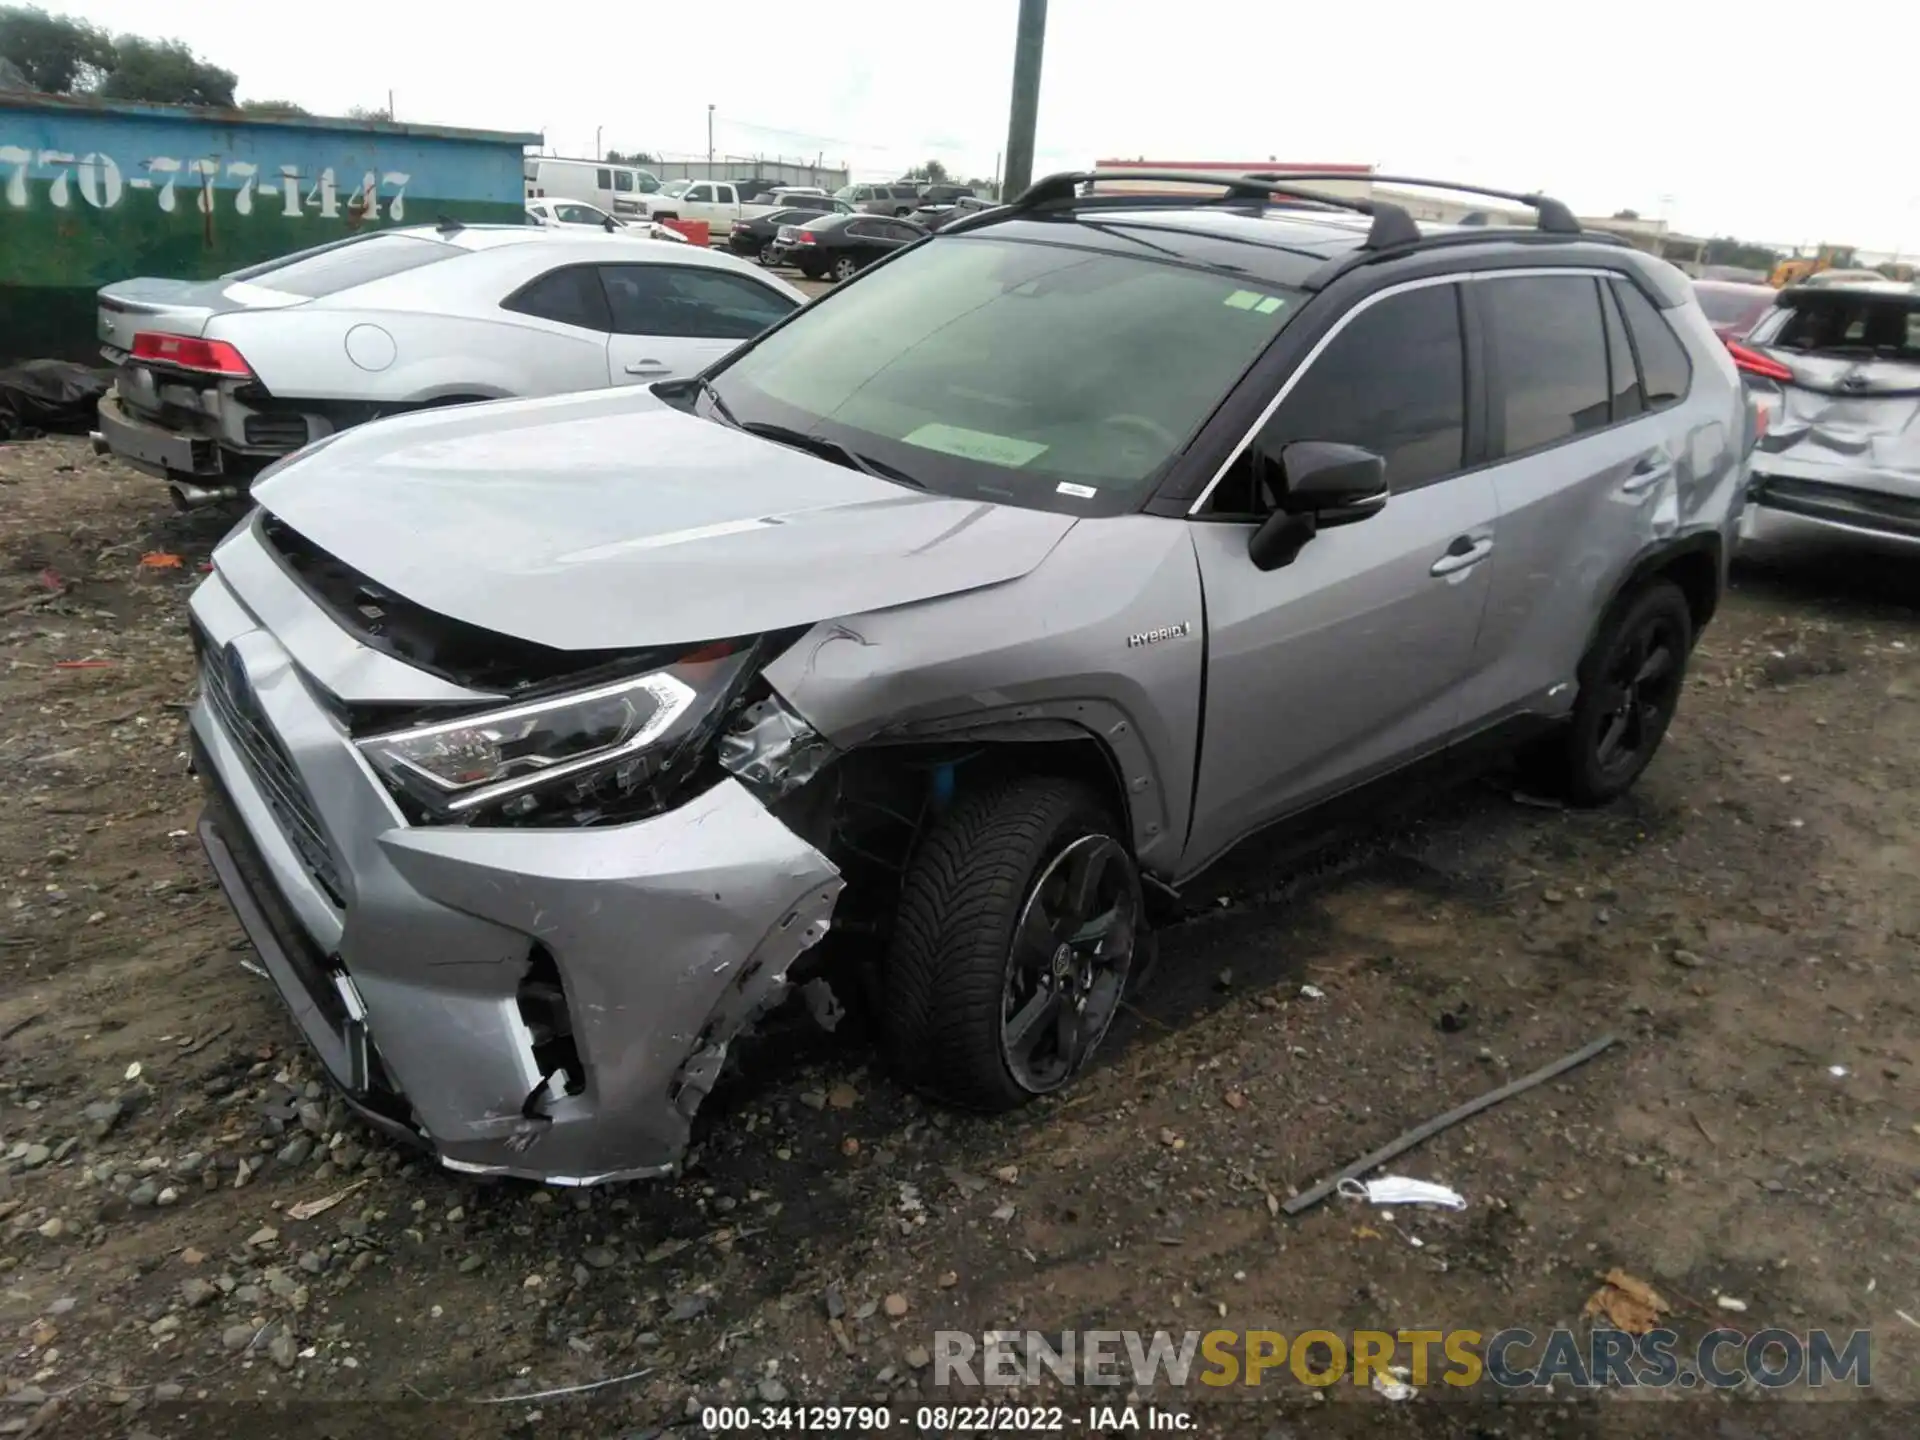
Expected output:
{"points": [[569, 296], [1018, 372], [1664, 368], [694, 303], [1393, 381], [623, 181], [1551, 346], [700, 194]]}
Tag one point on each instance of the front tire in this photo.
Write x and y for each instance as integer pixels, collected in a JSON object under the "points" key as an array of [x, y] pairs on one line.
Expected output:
{"points": [[1018, 925], [1630, 683]]}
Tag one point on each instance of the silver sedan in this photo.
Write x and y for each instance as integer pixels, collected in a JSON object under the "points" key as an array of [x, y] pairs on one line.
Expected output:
{"points": [[215, 379]]}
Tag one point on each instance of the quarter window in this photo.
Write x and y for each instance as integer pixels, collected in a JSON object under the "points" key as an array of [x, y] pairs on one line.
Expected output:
{"points": [[571, 296], [1393, 381], [1664, 368], [700, 304], [1551, 349]]}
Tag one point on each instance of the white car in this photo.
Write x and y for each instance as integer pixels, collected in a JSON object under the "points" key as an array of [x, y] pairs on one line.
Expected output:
{"points": [[578, 215], [215, 379]]}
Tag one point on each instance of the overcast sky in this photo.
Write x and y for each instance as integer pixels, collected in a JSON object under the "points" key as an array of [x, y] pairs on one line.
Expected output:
{"points": [[1690, 109]]}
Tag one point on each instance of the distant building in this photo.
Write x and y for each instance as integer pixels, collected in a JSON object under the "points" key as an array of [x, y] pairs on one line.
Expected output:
{"points": [[1351, 181]]}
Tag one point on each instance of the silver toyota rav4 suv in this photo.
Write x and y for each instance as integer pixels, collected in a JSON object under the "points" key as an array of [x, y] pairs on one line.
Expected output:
{"points": [[956, 615]]}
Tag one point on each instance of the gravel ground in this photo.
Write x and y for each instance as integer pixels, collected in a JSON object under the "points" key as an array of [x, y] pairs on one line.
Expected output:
{"points": [[1746, 923]]}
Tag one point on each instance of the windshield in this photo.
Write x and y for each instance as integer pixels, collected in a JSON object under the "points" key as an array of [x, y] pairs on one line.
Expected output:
{"points": [[1887, 326], [676, 188], [1019, 372]]}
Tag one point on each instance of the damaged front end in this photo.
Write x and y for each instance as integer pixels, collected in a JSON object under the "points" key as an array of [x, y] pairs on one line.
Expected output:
{"points": [[522, 907]]}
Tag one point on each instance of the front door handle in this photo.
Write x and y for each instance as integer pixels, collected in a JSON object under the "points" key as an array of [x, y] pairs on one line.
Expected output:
{"points": [[1463, 552], [648, 367], [1646, 474]]}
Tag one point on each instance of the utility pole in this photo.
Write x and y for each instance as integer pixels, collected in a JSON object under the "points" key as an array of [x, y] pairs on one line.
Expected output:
{"points": [[709, 142], [598, 153], [1025, 111]]}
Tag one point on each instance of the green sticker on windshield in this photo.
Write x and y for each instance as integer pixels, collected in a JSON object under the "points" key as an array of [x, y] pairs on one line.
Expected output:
{"points": [[1243, 299], [975, 445], [1269, 305]]}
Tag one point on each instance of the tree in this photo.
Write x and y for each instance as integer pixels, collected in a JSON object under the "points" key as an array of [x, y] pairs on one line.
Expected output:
{"points": [[631, 157], [1626, 214], [273, 107], [165, 72], [56, 54], [369, 112], [932, 171]]}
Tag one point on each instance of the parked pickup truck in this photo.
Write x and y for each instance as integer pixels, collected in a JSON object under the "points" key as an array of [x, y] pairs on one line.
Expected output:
{"points": [[718, 202]]}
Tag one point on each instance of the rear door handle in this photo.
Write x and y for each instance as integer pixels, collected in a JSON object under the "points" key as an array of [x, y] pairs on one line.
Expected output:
{"points": [[648, 367], [1463, 552], [1646, 474]]}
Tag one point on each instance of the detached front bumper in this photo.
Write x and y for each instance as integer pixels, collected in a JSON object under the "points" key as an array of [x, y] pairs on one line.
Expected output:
{"points": [[429, 967]]}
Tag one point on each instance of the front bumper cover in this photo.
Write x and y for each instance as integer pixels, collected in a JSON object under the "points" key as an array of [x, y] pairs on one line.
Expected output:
{"points": [[669, 935]]}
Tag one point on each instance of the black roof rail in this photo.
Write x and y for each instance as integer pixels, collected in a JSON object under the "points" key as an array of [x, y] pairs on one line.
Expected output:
{"points": [[1550, 214], [1391, 224]]}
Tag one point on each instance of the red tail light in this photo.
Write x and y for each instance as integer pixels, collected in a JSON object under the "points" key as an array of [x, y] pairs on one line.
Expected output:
{"points": [[215, 357], [1752, 362], [803, 238]]}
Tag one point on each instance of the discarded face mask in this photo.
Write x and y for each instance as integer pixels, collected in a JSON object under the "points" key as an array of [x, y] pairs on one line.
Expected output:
{"points": [[1401, 1190]]}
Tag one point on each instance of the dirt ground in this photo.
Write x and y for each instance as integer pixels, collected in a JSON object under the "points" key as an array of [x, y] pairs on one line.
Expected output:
{"points": [[1746, 924]]}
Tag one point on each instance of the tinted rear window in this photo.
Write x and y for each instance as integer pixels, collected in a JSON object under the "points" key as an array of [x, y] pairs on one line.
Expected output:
{"points": [[330, 269], [1886, 326], [1548, 333]]}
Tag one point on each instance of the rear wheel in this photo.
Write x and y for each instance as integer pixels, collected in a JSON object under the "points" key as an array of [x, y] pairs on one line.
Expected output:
{"points": [[1630, 684], [1018, 926], [845, 268]]}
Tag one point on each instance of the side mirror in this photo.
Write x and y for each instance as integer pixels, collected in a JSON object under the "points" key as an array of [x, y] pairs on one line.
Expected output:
{"points": [[1319, 483]]}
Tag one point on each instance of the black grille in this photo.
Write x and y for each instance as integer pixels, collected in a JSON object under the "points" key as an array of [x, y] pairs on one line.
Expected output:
{"points": [[276, 432], [231, 696]]}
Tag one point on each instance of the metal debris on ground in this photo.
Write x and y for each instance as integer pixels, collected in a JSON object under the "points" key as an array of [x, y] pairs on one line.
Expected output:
{"points": [[307, 1209], [1307, 1199]]}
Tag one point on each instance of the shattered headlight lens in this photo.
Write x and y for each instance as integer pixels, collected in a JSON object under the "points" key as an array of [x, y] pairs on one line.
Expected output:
{"points": [[615, 731]]}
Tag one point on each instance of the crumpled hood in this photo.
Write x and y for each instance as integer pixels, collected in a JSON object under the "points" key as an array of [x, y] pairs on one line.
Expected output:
{"points": [[610, 520], [1847, 418]]}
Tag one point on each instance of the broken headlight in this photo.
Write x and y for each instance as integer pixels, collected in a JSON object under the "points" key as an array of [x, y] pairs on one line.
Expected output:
{"points": [[622, 733]]}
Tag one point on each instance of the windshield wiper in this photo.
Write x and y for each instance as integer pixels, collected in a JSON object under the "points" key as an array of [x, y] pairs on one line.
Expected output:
{"points": [[831, 450], [719, 405]]}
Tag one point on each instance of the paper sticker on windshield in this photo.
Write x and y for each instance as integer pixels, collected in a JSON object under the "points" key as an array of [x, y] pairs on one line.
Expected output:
{"points": [[1243, 299], [1079, 492], [1270, 304], [975, 445]]}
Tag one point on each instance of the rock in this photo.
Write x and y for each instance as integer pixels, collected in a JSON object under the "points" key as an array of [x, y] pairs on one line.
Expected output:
{"points": [[283, 1348], [349, 1156], [144, 1196], [54, 1228], [265, 1235], [456, 1215], [167, 1197], [281, 1285], [197, 1292], [895, 1305], [1553, 897], [191, 1256], [297, 1150], [314, 1262], [772, 1391], [471, 1263], [164, 1326], [63, 1306], [249, 1294], [917, 1357], [866, 1309], [167, 1391], [1686, 960], [688, 1307], [814, 1099], [835, 1302], [312, 1116], [1727, 1302], [843, 1096], [600, 1257], [34, 1156], [102, 1116], [236, 1338]]}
